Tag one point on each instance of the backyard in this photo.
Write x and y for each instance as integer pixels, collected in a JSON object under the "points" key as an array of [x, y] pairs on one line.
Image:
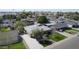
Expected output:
{"points": [[56, 37]]}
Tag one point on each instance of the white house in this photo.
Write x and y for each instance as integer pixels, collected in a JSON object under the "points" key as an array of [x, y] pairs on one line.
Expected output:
{"points": [[30, 28]]}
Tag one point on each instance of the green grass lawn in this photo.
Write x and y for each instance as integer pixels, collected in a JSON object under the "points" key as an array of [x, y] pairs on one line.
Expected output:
{"points": [[71, 31], [19, 45], [56, 37], [4, 29]]}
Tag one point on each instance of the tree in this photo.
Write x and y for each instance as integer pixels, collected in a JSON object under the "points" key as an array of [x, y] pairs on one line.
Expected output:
{"points": [[38, 34], [42, 20], [72, 15], [9, 17], [1, 18], [0, 21], [18, 23], [18, 18], [19, 27], [24, 14], [58, 14]]}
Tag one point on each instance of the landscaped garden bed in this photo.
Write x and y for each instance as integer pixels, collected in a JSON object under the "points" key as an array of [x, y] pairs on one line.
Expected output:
{"points": [[56, 37], [45, 42]]}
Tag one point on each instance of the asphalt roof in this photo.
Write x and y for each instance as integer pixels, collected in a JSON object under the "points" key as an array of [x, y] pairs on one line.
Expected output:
{"points": [[60, 25], [8, 37], [70, 22]]}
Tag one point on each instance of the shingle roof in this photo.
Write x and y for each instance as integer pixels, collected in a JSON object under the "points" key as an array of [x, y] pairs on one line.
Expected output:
{"points": [[8, 37], [70, 22], [60, 25], [7, 23]]}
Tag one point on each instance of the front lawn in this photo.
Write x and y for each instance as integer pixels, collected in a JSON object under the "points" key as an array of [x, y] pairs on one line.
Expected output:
{"points": [[71, 31], [5, 29], [56, 37], [19, 45]]}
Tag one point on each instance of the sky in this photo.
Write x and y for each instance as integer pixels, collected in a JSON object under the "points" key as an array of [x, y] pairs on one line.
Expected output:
{"points": [[40, 5], [52, 10]]}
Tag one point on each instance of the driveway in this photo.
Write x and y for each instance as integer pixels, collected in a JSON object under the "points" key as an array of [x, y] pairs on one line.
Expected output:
{"points": [[65, 34], [76, 28], [32, 43]]}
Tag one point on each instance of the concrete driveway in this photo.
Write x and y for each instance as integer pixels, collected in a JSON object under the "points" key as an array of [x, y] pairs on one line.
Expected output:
{"points": [[31, 43], [76, 28], [65, 34]]}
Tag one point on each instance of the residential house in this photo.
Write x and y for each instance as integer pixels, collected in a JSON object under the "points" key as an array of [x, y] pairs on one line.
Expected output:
{"points": [[30, 28], [61, 26], [9, 37], [60, 19], [72, 23], [51, 18], [50, 24], [28, 21], [6, 23]]}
